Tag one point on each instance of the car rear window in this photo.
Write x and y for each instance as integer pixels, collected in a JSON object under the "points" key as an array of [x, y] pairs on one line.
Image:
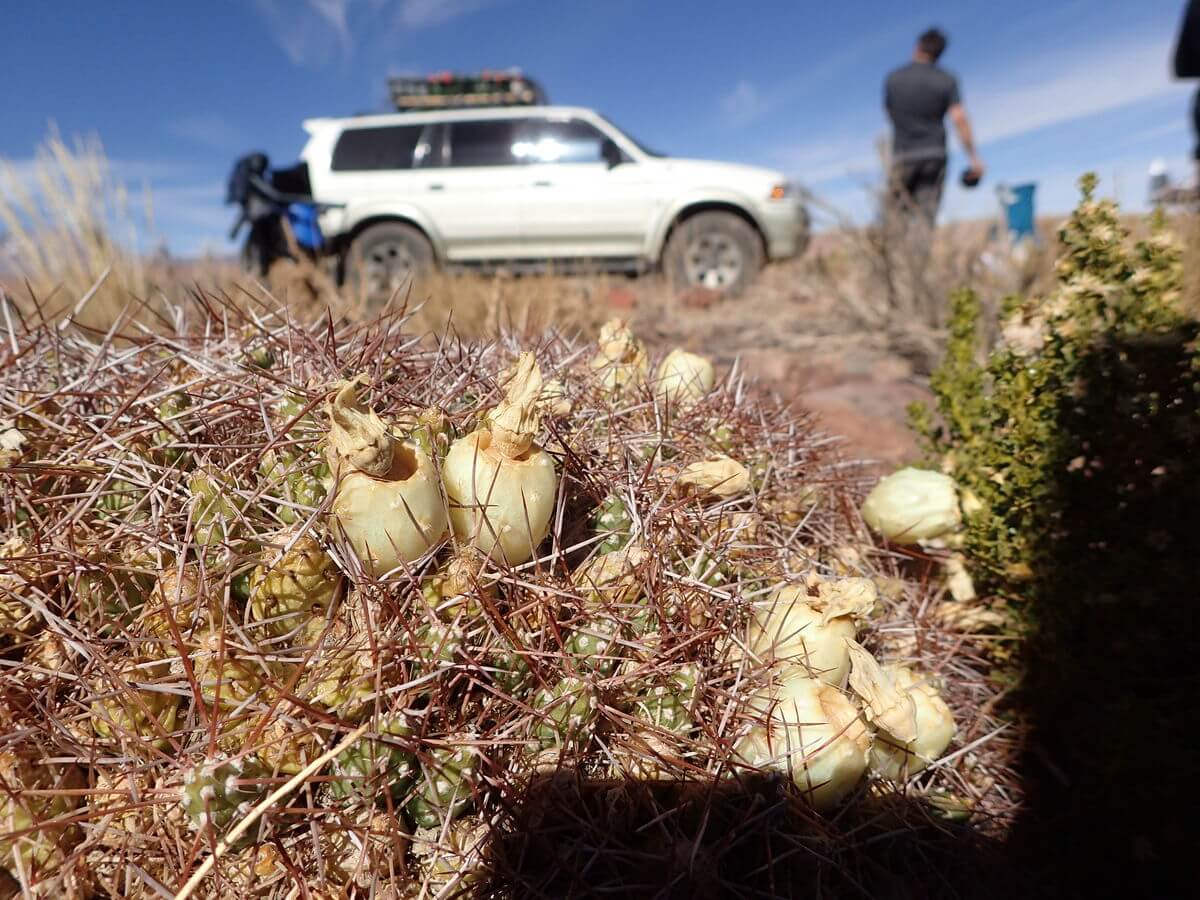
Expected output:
{"points": [[372, 149], [484, 143]]}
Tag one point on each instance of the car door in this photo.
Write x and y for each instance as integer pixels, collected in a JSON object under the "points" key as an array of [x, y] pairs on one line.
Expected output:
{"points": [[578, 203], [474, 196]]}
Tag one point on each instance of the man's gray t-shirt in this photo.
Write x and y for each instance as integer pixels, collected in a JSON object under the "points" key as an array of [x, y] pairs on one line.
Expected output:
{"points": [[916, 97]]}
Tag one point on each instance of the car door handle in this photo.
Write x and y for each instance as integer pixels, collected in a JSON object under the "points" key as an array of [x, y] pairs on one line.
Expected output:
{"points": [[543, 184], [437, 186]]}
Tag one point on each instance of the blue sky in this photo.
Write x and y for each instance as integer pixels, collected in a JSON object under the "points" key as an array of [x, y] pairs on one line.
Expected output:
{"points": [[176, 90]]}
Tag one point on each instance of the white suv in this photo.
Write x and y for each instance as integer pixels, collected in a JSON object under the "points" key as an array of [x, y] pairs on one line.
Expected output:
{"points": [[538, 185]]}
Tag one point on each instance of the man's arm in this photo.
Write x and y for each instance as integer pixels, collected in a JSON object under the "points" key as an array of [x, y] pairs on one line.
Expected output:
{"points": [[958, 115]]}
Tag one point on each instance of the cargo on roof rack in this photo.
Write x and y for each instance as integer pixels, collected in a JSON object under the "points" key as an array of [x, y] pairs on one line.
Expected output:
{"points": [[449, 90]]}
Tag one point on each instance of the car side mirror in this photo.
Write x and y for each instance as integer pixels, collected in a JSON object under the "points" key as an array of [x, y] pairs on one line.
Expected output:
{"points": [[611, 153]]}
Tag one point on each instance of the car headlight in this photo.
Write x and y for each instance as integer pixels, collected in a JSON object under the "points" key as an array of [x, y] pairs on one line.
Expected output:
{"points": [[780, 191]]}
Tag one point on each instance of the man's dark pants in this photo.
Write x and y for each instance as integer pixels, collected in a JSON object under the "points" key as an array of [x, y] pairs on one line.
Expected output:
{"points": [[917, 185]]}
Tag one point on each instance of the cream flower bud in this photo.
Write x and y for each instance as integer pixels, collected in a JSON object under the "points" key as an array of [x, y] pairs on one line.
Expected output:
{"points": [[811, 731], [913, 505], [896, 759], [683, 377]]}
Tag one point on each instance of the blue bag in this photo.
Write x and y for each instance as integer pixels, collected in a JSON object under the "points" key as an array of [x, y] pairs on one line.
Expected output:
{"points": [[303, 219]]}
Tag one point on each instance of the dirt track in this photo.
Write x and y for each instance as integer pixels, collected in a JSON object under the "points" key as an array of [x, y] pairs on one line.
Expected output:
{"points": [[798, 344]]}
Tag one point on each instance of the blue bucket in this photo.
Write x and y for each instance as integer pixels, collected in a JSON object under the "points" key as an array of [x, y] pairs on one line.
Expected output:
{"points": [[303, 219], [1017, 202]]}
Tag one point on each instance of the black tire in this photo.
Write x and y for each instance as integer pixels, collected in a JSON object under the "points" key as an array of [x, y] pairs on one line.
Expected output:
{"points": [[386, 258], [715, 250]]}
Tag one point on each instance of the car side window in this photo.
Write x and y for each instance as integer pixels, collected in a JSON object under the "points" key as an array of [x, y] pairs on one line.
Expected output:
{"points": [[563, 141], [488, 142], [377, 148]]}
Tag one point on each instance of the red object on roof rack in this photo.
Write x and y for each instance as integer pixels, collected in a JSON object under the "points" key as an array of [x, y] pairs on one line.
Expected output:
{"points": [[450, 90]]}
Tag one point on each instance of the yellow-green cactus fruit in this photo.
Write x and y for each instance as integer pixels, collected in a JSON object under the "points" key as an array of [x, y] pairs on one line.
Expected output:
{"points": [[131, 714], [296, 590]]}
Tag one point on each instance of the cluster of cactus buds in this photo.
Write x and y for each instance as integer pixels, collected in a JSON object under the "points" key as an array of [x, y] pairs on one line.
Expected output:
{"points": [[414, 587]]}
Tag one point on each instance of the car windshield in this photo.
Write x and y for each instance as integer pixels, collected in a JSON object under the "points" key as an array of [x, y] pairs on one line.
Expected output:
{"points": [[631, 138]]}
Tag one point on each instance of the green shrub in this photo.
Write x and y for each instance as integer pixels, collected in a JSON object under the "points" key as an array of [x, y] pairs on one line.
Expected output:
{"points": [[1017, 431]]}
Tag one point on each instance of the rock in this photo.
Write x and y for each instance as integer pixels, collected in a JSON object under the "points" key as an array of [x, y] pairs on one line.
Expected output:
{"points": [[621, 298], [699, 297]]}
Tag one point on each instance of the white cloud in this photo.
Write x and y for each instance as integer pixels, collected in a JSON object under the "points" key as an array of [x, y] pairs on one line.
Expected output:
{"points": [[742, 104], [208, 130], [427, 13], [316, 32], [1057, 88], [311, 32]]}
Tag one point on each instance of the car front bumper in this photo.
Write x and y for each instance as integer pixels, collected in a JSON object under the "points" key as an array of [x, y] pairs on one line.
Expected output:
{"points": [[786, 226]]}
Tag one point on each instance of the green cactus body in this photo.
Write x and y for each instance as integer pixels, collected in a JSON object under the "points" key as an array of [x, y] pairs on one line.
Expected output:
{"points": [[216, 510], [42, 848], [136, 719], [612, 518], [295, 591], [722, 437], [668, 706], [439, 643], [292, 481], [567, 711], [119, 499], [109, 597], [507, 668], [262, 357], [374, 766], [344, 682], [595, 646], [443, 789], [219, 792], [172, 432]]}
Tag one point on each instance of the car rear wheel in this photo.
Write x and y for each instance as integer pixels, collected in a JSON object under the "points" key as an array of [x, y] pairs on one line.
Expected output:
{"points": [[387, 258], [714, 250]]}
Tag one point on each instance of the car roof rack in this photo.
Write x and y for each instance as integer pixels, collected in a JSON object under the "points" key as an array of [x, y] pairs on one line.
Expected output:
{"points": [[450, 90]]}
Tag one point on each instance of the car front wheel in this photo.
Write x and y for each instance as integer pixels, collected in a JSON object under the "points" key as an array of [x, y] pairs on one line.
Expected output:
{"points": [[714, 250], [387, 258]]}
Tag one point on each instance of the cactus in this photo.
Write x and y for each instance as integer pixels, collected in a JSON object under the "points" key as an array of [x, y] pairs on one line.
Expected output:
{"points": [[444, 786], [219, 792], [132, 717], [216, 510], [594, 646], [43, 845], [296, 590], [118, 500], [18, 618], [567, 710], [375, 766], [669, 705], [612, 519], [166, 439], [368, 852], [451, 859], [439, 643]]}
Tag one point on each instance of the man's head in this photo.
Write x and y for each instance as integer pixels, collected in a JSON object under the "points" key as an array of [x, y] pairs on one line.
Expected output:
{"points": [[930, 45]]}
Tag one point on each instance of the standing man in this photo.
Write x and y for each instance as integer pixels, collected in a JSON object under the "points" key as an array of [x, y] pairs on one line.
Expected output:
{"points": [[917, 98]]}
